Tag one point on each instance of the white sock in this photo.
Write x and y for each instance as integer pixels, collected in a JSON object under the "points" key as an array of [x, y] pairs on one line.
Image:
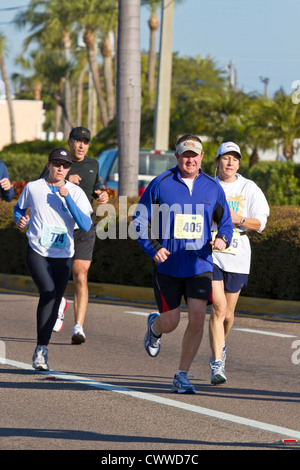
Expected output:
{"points": [[153, 332]]}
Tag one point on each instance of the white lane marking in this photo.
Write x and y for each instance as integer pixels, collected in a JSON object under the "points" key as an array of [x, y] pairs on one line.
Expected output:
{"points": [[163, 401], [142, 314], [268, 333], [247, 330]]}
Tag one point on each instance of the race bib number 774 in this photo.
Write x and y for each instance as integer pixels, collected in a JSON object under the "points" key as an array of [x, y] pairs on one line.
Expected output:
{"points": [[53, 236]]}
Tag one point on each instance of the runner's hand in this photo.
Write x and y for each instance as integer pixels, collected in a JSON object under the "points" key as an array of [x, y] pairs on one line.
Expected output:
{"points": [[22, 221], [161, 255]]}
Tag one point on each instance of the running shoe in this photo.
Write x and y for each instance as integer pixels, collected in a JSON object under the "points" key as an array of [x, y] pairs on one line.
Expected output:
{"points": [[181, 384], [78, 336], [152, 342], [59, 324], [217, 373], [40, 358], [223, 357]]}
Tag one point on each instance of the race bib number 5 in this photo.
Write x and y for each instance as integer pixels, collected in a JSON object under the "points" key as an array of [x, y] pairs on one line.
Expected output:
{"points": [[188, 226], [234, 245], [54, 236]]}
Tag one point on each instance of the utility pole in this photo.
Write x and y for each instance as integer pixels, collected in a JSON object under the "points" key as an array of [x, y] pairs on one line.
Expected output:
{"points": [[232, 76], [265, 80], [163, 94]]}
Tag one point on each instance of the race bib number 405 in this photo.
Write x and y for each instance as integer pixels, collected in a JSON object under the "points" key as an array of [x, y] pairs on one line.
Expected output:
{"points": [[54, 236], [188, 226]]}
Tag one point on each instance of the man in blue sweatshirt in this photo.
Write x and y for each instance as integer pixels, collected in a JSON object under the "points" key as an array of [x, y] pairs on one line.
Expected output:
{"points": [[6, 189], [173, 224]]}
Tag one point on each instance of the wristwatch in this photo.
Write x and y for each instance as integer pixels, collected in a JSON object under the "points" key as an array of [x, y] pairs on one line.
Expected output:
{"points": [[242, 221], [224, 238]]}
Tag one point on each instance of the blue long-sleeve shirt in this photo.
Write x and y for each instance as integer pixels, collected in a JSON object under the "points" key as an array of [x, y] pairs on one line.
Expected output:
{"points": [[169, 215], [9, 194]]}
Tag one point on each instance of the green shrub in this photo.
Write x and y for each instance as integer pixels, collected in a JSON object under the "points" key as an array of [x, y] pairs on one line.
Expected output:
{"points": [[33, 146], [277, 180], [24, 166], [276, 256]]}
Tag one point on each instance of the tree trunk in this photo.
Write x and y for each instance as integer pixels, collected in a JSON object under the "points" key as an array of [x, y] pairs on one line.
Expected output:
{"points": [[58, 113], [67, 87], [90, 41], [288, 151], [106, 50], [9, 100], [153, 25], [37, 90], [80, 96], [254, 157], [129, 96]]}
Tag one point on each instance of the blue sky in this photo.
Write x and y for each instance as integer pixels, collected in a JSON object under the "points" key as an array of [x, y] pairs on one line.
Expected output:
{"points": [[261, 37]]}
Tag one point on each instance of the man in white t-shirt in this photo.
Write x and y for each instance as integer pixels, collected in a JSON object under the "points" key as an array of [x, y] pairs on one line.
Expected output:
{"points": [[249, 211]]}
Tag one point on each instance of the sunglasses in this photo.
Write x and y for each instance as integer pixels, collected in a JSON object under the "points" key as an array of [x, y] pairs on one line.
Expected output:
{"points": [[58, 164]]}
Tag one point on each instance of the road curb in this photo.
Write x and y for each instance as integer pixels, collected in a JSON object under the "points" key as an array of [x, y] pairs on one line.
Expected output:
{"points": [[281, 309]]}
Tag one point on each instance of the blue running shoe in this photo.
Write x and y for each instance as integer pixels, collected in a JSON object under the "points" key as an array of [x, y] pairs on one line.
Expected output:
{"points": [[152, 342], [181, 384]]}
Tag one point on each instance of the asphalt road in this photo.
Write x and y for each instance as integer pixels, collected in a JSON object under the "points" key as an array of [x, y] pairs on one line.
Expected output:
{"points": [[109, 395]]}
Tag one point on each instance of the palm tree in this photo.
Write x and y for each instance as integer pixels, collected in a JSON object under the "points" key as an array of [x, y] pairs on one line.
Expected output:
{"points": [[153, 25], [255, 136], [92, 15], [50, 26], [129, 95], [282, 122], [7, 87]]}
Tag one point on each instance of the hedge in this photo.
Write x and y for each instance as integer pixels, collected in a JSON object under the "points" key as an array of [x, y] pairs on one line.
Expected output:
{"points": [[275, 264]]}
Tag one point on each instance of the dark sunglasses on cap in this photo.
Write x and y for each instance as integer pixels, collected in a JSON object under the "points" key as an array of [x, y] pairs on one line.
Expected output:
{"points": [[58, 164]]}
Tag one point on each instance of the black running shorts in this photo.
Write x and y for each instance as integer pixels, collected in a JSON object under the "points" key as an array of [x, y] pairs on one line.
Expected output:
{"points": [[84, 243], [169, 290]]}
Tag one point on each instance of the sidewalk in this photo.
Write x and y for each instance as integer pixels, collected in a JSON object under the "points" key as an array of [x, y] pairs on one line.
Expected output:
{"points": [[274, 309]]}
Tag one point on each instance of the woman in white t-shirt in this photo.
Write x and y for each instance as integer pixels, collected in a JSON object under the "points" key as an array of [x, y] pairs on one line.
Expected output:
{"points": [[249, 211], [56, 205]]}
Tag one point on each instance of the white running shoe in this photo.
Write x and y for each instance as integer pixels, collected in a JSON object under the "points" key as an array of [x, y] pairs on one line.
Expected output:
{"points": [[59, 324], [40, 358], [223, 357], [78, 335], [217, 373], [152, 342]]}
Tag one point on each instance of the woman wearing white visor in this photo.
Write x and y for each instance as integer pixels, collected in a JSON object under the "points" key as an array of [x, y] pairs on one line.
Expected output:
{"points": [[249, 211]]}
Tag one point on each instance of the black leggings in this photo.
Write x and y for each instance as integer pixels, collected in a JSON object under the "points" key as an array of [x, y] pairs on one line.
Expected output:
{"points": [[51, 277]]}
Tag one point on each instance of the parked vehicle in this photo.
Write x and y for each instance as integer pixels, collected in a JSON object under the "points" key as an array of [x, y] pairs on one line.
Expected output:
{"points": [[151, 164]]}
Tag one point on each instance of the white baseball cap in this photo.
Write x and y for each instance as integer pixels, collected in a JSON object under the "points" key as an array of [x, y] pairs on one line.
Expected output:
{"points": [[228, 147], [186, 145]]}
